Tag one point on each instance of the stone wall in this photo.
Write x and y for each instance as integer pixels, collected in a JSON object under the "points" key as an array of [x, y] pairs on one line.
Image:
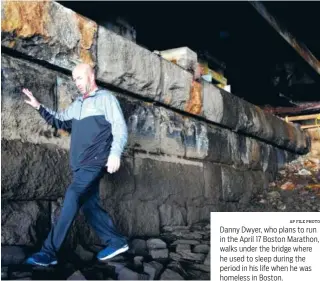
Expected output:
{"points": [[192, 149]]}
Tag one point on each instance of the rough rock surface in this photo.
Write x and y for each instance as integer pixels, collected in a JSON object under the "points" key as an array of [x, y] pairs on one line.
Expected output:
{"points": [[50, 32], [24, 223], [80, 264]]}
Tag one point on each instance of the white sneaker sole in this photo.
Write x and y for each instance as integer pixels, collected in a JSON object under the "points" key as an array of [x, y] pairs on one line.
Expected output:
{"points": [[45, 265], [119, 251]]}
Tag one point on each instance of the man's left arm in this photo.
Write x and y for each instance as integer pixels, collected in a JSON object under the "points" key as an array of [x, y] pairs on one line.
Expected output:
{"points": [[114, 115]]}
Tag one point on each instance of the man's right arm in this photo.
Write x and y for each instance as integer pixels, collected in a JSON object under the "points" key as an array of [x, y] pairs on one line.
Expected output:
{"points": [[59, 120]]}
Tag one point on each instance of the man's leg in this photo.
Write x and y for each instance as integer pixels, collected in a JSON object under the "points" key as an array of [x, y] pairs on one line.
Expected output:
{"points": [[101, 221], [76, 195]]}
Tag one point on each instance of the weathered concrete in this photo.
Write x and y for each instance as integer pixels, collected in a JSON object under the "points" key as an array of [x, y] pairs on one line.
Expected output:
{"points": [[31, 172], [127, 65], [48, 31], [24, 223], [176, 169], [19, 120], [34, 30]]}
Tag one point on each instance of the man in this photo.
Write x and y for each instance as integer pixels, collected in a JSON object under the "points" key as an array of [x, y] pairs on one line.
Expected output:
{"points": [[98, 137]]}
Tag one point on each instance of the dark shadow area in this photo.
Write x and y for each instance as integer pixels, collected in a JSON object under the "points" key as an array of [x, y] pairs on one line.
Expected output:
{"points": [[232, 32]]}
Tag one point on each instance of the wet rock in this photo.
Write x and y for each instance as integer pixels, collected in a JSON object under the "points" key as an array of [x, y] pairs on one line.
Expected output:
{"points": [[153, 269], [159, 253], [137, 260], [150, 270], [198, 275], [128, 274], [84, 254], [202, 267], [183, 248], [118, 266], [77, 276], [177, 267], [169, 274], [201, 249], [156, 243], [13, 255], [187, 235], [170, 228], [189, 256], [175, 256], [184, 241], [21, 274], [138, 247]]}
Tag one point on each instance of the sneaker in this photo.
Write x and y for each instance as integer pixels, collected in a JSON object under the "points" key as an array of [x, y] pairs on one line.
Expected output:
{"points": [[110, 252], [41, 259]]}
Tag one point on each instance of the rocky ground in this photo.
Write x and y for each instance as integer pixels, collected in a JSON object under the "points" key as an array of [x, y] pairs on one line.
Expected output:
{"points": [[180, 253], [296, 189]]}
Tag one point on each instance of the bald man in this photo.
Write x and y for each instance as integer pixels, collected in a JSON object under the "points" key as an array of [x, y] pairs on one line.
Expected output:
{"points": [[98, 137]]}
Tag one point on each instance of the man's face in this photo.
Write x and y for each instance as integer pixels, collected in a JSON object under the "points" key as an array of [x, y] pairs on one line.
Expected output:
{"points": [[82, 79]]}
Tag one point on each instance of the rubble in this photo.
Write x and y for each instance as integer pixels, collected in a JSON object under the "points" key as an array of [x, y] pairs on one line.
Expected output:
{"points": [[296, 189], [167, 257]]}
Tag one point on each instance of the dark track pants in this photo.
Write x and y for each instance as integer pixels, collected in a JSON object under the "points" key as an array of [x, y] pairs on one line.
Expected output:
{"points": [[83, 193]]}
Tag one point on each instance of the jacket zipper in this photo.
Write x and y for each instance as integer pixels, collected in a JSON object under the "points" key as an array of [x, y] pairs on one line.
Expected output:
{"points": [[81, 109]]}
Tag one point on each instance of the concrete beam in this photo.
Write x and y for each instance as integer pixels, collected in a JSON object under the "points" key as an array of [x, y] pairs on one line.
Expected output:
{"points": [[300, 48]]}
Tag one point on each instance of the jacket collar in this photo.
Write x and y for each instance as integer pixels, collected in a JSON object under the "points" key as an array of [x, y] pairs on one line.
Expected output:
{"points": [[83, 97]]}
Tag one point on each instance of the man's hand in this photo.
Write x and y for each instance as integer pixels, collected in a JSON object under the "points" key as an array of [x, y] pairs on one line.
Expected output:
{"points": [[113, 164], [33, 101]]}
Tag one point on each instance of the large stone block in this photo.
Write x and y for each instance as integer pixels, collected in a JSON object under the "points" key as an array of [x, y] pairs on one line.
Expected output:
{"points": [[172, 214], [11, 255], [272, 167], [171, 133], [213, 107], [221, 142], [233, 184], [196, 139], [246, 152], [212, 181], [24, 222], [159, 180], [255, 181], [126, 65], [19, 120], [265, 153], [184, 57], [259, 124], [120, 185], [199, 210], [137, 217], [143, 122], [48, 31], [228, 110], [32, 171], [175, 85]]}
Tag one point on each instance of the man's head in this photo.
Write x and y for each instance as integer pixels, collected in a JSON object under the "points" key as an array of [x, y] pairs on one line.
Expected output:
{"points": [[84, 77]]}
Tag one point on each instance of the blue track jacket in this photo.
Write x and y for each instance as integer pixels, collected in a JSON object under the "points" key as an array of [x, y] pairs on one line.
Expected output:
{"points": [[97, 127]]}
